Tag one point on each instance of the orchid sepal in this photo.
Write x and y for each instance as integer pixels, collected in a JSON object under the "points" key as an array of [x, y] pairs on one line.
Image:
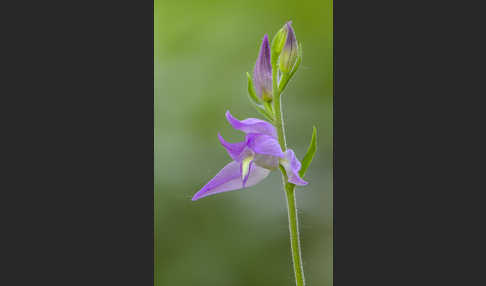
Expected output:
{"points": [[252, 125]]}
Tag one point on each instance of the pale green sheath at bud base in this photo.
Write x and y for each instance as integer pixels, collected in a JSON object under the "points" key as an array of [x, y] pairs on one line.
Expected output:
{"points": [[289, 53]]}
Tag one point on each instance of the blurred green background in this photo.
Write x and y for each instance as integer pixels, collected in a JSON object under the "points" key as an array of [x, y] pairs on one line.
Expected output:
{"points": [[202, 50]]}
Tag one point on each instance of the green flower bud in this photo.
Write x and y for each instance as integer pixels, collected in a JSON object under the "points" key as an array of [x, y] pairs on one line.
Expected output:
{"points": [[278, 43], [289, 53]]}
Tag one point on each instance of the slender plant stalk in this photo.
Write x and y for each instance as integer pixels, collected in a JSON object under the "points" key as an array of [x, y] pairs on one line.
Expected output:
{"points": [[288, 187], [294, 234], [279, 123]]}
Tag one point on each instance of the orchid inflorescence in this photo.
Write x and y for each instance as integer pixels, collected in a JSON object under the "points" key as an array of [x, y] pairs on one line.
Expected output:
{"points": [[264, 148], [260, 152]]}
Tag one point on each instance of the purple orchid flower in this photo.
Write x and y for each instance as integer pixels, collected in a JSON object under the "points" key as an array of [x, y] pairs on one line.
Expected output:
{"points": [[253, 158], [288, 57], [262, 74]]}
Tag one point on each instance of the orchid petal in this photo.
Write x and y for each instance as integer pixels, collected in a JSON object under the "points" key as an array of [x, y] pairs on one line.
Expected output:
{"points": [[292, 167], [235, 150], [252, 125], [229, 179], [264, 144]]}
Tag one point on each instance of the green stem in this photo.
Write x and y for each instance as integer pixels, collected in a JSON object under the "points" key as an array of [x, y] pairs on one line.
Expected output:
{"points": [[294, 234], [279, 123], [288, 187]]}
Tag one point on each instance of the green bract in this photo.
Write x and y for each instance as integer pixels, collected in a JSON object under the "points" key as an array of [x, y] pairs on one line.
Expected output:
{"points": [[310, 153]]}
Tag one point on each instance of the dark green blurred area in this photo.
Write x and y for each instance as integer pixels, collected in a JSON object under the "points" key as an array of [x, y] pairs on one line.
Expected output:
{"points": [[202, 51]]}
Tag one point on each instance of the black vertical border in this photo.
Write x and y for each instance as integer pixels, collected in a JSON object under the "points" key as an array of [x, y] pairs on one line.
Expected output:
{"points": [[80, 158], [405, 126]]}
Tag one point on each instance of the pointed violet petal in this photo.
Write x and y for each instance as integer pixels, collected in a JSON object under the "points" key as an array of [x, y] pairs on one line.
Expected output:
{"points": [[292, 167], [262, 73], [235, 150], [229, 179], [252, 125], [264, 144]]}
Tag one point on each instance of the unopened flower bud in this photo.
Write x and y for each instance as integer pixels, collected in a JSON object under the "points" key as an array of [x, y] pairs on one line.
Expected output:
{"points": [[278, 43], [262, 74], [289, 53]]}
